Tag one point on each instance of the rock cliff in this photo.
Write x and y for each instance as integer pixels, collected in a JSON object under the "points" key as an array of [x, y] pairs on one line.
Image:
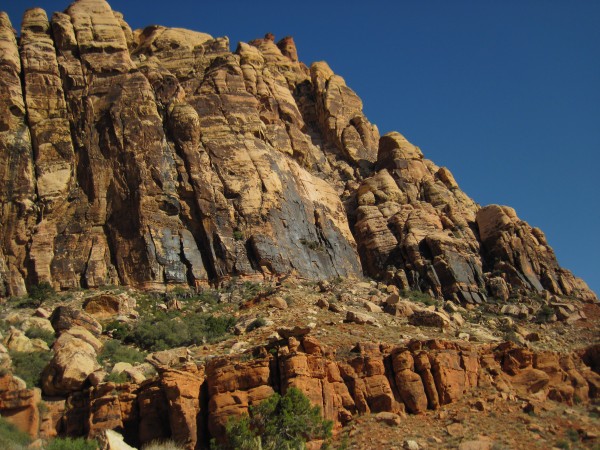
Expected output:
{"points": [[191, 403], [159, 157]]}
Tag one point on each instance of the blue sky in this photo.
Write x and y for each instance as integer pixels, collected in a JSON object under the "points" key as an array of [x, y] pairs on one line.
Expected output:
{"points": [[505, 94]]}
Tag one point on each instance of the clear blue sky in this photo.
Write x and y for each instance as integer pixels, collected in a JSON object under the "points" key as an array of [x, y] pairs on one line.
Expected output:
{"points": [[504, 93]]}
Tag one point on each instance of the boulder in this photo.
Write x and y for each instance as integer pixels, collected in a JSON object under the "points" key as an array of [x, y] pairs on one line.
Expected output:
{"points": [[65, 317], [296, 331], [73, 361], [359, 318], [107, 305], [19, 405], [278, 303], [424, 318]]}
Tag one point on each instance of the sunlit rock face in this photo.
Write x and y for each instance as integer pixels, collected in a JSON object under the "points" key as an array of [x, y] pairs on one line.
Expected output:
{"points": [[161, 157]]}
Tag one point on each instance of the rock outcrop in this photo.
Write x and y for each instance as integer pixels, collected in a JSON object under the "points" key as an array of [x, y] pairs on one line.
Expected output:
{"points": [[199, 399], [160, 157], [19, 405], [416, 228]]}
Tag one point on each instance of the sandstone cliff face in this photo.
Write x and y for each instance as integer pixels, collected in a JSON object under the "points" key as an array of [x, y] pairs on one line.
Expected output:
{"points": [[198, 400], [158, 157]]}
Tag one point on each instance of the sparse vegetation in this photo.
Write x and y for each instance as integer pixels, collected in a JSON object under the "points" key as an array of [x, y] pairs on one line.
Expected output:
{"points": [[72, 444], [29, 366], [256, 323], [544, 314], [238, 235], [313, 245], [114, 351], [40, 333], [418, 296], [37, 295], [117, 377], [169, 330], [279, 422]]}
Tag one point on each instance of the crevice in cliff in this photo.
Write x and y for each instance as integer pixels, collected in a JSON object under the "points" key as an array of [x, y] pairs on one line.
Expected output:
{"points": [[195, 223]]}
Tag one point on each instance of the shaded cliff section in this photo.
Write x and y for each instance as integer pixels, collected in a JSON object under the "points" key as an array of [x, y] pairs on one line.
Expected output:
{"points": [[159, 157]]}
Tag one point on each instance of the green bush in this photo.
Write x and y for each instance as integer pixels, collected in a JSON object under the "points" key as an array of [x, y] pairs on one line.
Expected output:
{"points": [[418, 296], [114, 351], [250, 290], [256, 323], [40, 333], [279, 422], [38, 293], [163, 332], [41, 291], [158, 333], [207, 328], [72, 444], [11, 438], [119, 330], [544, 314], [29, 366], [118, 378]]}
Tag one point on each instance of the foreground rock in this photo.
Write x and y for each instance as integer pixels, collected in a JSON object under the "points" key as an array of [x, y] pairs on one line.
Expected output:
{"points": [[75, 351], [199, 399]]}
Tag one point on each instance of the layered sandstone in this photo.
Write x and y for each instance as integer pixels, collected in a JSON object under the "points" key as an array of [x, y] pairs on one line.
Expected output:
{"points": [[159, 157], [199, 399]]}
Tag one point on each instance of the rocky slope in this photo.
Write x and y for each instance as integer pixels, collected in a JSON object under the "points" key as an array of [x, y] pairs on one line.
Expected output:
{"points": [[159, 157], [156, 178], [349, 356]]}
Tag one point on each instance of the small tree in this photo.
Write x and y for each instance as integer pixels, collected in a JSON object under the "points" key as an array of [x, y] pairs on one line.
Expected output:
{"points": [[279, 422]]}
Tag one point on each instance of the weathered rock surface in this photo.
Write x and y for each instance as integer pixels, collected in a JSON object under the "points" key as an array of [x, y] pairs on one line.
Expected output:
{"points": [[103, 306], [73, 361], [19, 405], [161, 157], [416, 228], [199, 399]]}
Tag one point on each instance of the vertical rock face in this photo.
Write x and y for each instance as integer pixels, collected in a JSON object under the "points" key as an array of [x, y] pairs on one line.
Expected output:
{"points": [[17, 197], [181, 164], [158, 156], [199, 400]]}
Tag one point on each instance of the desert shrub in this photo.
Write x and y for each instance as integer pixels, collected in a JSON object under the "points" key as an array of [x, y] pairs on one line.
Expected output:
{"points": [[38, 293], [418, 296], [11, 438], [250, 290], [40, 333], [279, 422], [207, 328], [72, 444], [238, 235], [4, 326], [41, 291], [162, 331], [29, 366], [209, 296], [544, 314], [313, 245], [256, 323], [119, 330], [114, 351], [118, 378], [573, 435], [158, 333]]}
